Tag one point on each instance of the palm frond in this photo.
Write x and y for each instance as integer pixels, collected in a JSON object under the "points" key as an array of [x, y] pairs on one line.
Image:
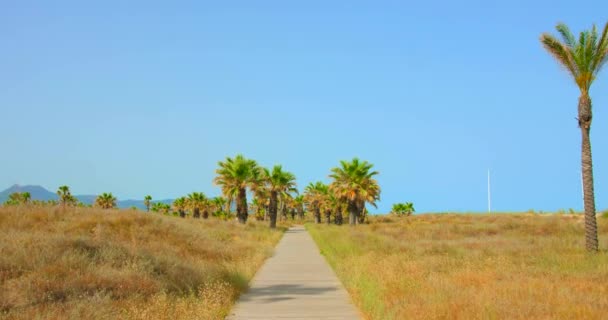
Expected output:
{"points": [[561, 53], [567, 36], [601, 52]]}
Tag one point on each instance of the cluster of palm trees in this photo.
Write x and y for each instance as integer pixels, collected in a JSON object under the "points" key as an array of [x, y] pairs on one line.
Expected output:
{"points": [[274, 190], [403, 209], [18, 198], [105, 201], [353, 187], [199, 205], [65, 199], [195, 204]]}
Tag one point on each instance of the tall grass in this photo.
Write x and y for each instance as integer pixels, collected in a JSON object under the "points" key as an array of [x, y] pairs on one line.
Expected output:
{"points": [[470, 267], [108, 264]]}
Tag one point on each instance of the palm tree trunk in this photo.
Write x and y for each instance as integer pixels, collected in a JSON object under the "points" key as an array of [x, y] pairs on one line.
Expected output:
{"points": [[283, 210], [584, 122], [182, 213], [338, 219], [328, 216], [362, 215], [205, 213], [353, 212], [317, 215], [196, 213], [272, 208], [241, 206]]}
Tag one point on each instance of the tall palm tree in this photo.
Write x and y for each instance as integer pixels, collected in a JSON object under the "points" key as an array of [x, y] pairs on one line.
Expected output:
{"points": [[354, 181], [147, 201], [65, 196], [179, 205], [105, 201], [235, 175], [583, 59], [280, 184], [313, 197]]}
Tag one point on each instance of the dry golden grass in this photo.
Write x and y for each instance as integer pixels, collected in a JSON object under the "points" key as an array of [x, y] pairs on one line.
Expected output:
{"points": [[470, 266], [109, 264]]}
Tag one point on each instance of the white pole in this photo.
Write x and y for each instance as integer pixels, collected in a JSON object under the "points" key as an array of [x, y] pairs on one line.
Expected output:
{"points": [[489, 194]]}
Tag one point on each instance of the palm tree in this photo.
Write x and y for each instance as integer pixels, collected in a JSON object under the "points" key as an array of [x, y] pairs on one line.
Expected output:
{"points": [[327, 202], [340, 206], [313, 197], [583, 59], [18, 198], [147, 201], [409, 208], [285, 199], [299, 204], [157, 207], [65, 196], [261, 197], [354, 182], [235, 175], [26, 197], [217, 205], [257, 207], [105, 201], [292, 207], [197, 202], [179, 205], [164, 208], [279, 183]]}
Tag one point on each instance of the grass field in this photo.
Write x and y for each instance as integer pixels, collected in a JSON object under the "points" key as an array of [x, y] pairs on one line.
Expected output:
{"points": [[470, 266], [96, 264]]}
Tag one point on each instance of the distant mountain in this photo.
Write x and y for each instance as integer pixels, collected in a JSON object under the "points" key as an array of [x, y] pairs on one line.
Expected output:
{"points": [[40, 193], [37, 193]]}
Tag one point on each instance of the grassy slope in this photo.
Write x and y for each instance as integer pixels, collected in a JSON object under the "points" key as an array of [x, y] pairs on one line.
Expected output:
{"points": [[94, 264], [470, 267]]}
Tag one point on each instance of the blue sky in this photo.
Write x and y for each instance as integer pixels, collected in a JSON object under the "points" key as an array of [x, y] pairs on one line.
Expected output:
{"points": [[139, 97]]}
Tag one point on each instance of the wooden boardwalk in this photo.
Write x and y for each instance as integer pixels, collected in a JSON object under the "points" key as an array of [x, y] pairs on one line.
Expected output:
{"points": [[296, 283]]}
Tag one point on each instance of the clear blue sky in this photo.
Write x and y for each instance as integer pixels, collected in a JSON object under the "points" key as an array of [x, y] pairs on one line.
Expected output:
{"points": [[137, 97]]}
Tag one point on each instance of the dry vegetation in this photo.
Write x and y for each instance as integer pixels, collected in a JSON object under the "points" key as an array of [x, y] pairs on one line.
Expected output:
{"points": [[470, 266], [111, 264]]}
